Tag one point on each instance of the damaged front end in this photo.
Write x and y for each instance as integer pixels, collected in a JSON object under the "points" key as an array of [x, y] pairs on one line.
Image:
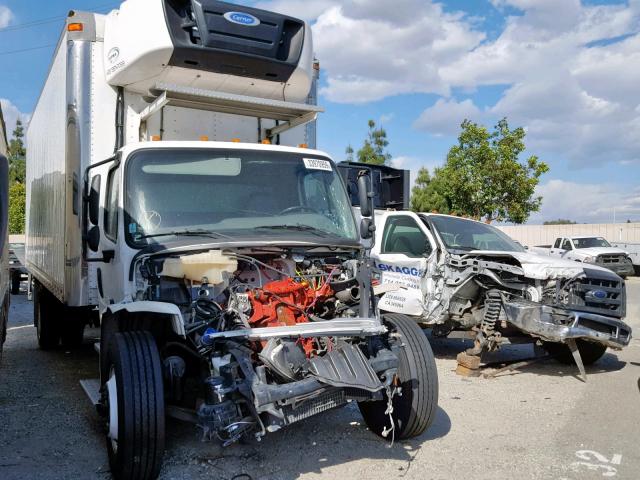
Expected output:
{"points": [[270, 337], [503, 296]]}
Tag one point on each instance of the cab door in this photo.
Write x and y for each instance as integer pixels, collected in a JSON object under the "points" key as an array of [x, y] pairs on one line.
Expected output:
{"points": [[103, 232], [406, 249]]}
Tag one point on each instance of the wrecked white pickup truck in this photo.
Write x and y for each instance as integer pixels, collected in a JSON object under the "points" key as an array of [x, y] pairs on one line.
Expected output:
{"points": [[451, 273], [594, 250]]}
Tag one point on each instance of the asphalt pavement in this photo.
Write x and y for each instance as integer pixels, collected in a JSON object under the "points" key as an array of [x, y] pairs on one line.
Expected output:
{"points": [[538, 422]]}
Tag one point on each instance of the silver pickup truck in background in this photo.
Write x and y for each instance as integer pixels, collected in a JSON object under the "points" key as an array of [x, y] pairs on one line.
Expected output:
{"points": [[594, 250]]}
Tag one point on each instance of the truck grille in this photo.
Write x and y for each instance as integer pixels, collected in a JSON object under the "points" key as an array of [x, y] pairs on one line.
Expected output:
{"points": [[610, 259], [605, 296]]}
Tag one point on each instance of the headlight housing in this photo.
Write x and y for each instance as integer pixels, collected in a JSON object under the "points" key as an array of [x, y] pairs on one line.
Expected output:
{"points": [[589, 259]]}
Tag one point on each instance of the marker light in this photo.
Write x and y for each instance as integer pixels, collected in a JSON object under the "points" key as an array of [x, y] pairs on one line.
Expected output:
{"points": [[303, 145], [155, 138], [75, 27], [204, 138], [266, 141], [235, 140]]}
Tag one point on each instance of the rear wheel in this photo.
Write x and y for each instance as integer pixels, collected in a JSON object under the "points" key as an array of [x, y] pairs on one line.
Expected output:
{"points": [[134, 403], [590, 352], [45, 313], [413, 411]]}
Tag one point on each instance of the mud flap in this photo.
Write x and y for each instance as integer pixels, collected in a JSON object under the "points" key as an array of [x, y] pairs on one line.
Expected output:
{"points": [[345, 366], [571, 343]]}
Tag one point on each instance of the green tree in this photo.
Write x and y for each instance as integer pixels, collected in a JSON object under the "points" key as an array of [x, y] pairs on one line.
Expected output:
{"points": [[349, 152], [17, 155], [374, 150], [426, 196], [16, 145], [17, 202], [560, 221], [483, 177]]}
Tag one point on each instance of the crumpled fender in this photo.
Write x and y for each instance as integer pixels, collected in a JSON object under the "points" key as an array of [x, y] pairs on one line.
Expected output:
{"points": [[146, 306]]}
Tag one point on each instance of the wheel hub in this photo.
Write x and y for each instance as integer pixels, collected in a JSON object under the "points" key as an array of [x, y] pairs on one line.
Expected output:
{"points": [[112, 395]]}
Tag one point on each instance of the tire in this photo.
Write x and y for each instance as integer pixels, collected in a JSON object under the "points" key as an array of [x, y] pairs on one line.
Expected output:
{"points": [[16, 278], [589, 351], [136, 446], [413, 411], [45, 313]]}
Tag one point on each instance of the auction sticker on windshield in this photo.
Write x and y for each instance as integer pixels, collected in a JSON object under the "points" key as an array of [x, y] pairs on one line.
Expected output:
{"points": [[317, 164]]}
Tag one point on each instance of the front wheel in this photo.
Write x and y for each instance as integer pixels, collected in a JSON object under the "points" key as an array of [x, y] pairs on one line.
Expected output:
{"points": [[413, 411], [590, 352], [134, 403]]}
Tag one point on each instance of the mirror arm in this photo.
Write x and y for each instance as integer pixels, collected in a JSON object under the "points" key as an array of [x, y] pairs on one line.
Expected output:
{"points": [[107, 256]]}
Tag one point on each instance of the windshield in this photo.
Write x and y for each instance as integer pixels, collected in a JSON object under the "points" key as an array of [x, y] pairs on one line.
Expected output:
{"points": [[590, 242], [234, 193], [462, 234]]}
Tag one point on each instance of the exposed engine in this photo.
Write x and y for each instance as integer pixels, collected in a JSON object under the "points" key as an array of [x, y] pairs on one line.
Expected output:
{"points": [[229, 302]]}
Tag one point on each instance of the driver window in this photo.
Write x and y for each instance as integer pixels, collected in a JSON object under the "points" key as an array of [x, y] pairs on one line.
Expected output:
{"points": [[404, 235], [566, 245], [557, 244]]}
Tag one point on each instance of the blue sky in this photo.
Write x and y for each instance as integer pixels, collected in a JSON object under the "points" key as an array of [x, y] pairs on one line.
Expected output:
{"points": [[565, 70]]}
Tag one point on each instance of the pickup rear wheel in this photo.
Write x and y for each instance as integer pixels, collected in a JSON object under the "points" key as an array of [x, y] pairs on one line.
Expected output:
{"points": [[413, 411], [45, 313], [590, 352], [134, 403]]}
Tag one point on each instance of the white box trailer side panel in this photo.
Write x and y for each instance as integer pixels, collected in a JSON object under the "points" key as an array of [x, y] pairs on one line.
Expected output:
{"points": [[46, 192], [73, 126]]}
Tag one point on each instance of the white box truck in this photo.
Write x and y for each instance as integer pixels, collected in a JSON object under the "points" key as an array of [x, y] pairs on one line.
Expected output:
{"points": [[169, 191]]}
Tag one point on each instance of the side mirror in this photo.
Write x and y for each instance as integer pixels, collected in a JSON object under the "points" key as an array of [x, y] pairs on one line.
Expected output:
{"points": [[364, 194], [93, 238], [94, 200], [367, 227]]}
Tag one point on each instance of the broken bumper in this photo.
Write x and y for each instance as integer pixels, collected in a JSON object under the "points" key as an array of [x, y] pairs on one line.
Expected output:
{"points": [[340, 327], [559, 325]]}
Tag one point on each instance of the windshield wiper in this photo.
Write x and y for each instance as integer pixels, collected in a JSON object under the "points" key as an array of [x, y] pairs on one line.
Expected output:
{"points": [[185, 233], [298, 227]]}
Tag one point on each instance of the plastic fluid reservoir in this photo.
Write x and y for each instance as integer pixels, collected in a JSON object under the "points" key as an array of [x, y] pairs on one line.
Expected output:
{"points": [[209, 265]]}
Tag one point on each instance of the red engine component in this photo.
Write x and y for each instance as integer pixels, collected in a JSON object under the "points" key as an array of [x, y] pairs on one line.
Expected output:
{"points": [[284, 302]]}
